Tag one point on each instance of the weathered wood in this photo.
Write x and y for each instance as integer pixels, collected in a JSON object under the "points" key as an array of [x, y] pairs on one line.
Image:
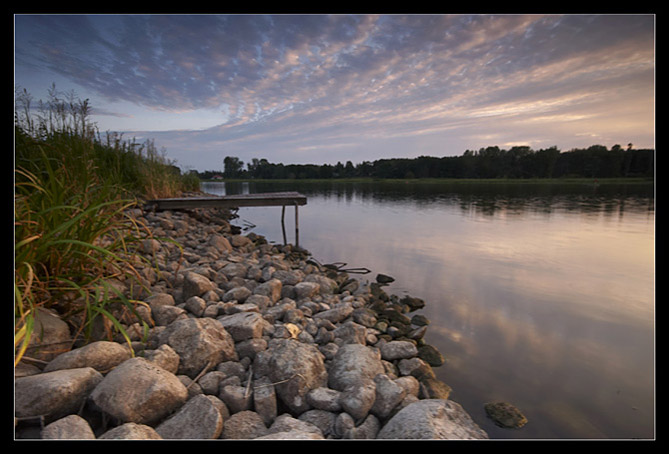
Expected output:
{"points": [[267, 199], [230, 201]]}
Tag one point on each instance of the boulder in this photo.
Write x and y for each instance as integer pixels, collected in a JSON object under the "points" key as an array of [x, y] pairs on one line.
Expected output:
{"points": [[198, 341], [270, 289], [50, 336], [324, 399], [358, 399], [196, 285], [54, 394], [101, 356], [165, 357], [353, 364], [389, 394], [337, 314], [244, 325], [393, 350], [432, 419], [296, 368], [131, 431], [244, 425], [72, 427], [286, 423], [305, 290], [198, 419], [264, 399], [220, 243], [139, 391], [505, 415]]}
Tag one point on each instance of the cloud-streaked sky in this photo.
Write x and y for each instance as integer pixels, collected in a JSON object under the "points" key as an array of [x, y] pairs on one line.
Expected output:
{"points": [[321, 89]]}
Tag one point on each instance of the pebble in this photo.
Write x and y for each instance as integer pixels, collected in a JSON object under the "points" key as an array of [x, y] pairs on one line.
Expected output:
{"points": [[246, 340]]}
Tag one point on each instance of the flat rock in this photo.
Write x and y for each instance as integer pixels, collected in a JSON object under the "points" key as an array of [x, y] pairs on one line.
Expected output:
{"points": [[101, 356], [393, 350], [54, 394], [434, 419]]}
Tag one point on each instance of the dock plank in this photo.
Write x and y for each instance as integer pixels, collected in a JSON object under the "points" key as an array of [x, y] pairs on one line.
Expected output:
{"points": [[230, 201]]}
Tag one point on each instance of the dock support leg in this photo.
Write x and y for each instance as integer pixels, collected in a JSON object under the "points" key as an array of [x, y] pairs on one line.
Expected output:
{"points": [[297, 228], [283, 225]]}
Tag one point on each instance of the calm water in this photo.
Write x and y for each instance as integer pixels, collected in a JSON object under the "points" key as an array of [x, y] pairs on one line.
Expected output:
{"points": [[538, 295]]}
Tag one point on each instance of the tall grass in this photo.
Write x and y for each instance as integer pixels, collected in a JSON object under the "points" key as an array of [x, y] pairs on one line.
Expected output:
{"points": [[73, 233]]}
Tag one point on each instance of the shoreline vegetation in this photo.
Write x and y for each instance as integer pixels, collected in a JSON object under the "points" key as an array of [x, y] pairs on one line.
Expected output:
{"points": [[444, 181], [72, 192], [109, 298]]}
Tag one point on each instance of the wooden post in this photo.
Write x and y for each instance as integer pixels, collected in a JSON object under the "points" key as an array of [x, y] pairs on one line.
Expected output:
{"points": [[297, 228], [283, 225]]}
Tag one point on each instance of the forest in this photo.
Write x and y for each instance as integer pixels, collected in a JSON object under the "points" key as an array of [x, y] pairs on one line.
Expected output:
{"points": [[596, 161]]}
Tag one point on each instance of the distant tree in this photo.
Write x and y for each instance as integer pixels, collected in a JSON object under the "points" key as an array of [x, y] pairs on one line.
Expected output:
{"points": [[233, 167]]}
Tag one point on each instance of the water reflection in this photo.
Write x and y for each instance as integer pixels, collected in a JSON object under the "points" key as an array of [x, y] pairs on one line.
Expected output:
{"points": [[538, 295]]}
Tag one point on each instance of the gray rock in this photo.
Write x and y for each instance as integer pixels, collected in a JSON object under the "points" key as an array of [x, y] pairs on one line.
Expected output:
{"points": [[324, 420], [343, 424], [72, 427], [196, 285], [165, 315], [415, 367], [324, 399], [196, 305], [432, 388], [358, 399], [327, 286], [244, 325], [139, 391], [286, 423], [239, 294], [101, 356], [432, 419], [353, 364], [292, 435], [393, 350], [236, 398], [289, 277], [351, 333], [306, 289], [54, 394], [244, 425], [389, 394], [264, 399], [198, 342], [164, 356], [270, 289], [296, 368], [131, 431], [337, 314], [199, 418], [160, 299], [251, 347], [50, 336], [233, 270], [368, 430]]}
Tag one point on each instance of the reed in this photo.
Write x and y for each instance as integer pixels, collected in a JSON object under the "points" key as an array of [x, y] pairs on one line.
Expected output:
{"points": [[73, 233]]}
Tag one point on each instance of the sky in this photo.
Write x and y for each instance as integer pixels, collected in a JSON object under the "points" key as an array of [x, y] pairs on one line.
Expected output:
{"points": [[316, 89]]}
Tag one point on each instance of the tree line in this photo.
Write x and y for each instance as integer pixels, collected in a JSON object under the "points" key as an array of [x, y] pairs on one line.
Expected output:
{"points": [[596, 161]]}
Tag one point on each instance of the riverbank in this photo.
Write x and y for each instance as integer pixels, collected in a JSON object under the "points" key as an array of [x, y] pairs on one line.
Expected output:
{"points": [[238, 338], [453, 181]]}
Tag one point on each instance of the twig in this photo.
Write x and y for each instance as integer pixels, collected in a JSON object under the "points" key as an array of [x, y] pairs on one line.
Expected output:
{"points": [[202, 372]]}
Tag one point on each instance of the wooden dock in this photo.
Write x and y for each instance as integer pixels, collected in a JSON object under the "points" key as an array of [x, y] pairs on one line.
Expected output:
{"points": [[266, 199]]}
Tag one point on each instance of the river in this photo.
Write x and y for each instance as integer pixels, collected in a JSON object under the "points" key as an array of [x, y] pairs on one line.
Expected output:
{"points": [[541, 295]]}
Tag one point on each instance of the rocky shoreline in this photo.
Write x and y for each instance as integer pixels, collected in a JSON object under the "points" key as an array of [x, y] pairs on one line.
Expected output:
{"points": [[241, 339]]}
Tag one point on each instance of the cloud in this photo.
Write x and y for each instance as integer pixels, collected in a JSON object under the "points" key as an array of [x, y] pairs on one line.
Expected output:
{"points": [[313, 82]]}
